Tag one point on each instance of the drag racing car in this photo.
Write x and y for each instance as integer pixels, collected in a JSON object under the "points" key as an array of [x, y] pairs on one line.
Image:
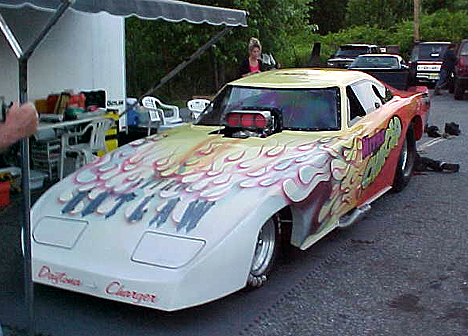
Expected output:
{"points": [[196, 212]]}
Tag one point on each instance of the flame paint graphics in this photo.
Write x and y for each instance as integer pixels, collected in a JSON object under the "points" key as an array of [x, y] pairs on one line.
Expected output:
{"points": [[159, 181]]}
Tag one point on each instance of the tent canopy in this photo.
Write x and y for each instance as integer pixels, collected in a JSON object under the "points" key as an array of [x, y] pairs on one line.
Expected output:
{"points": [[169, 10]]}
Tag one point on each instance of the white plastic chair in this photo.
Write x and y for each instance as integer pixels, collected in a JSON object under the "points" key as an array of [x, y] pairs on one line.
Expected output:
{"points": [[157, 112], [197, 106], [85, 151]]}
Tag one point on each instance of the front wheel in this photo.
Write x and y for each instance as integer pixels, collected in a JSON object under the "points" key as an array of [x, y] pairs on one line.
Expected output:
{"points": [[266, 252], [405, 165]]}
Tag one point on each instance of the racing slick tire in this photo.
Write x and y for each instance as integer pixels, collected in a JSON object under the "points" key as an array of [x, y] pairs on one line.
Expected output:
{"points": [[458, 90], [266, 252], [405, 165]]}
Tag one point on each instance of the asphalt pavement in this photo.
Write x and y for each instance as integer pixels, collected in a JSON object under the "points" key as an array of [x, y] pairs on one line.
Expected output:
{"points": [[402, 270]]}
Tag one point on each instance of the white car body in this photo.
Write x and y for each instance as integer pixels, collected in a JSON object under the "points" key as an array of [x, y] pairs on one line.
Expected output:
{"points": [[172, 220]]}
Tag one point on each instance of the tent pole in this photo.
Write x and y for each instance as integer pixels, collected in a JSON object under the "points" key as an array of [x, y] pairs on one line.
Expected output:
{"points": [[192, 58], [24, 145], [26, 205], [52, 21], [14, 45]]}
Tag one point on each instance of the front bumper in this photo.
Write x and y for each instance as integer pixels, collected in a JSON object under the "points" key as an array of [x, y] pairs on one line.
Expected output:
{"points": [[107, 265], [139, 292]]}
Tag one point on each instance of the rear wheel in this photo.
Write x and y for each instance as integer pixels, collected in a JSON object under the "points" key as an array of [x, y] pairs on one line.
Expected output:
{"points": [[405, 165], [266, 252]]}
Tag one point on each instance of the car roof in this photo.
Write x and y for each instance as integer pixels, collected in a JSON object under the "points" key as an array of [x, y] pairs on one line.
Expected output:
{"points": [[381, 55], [302, 78], [358, 45], [435, 42]]}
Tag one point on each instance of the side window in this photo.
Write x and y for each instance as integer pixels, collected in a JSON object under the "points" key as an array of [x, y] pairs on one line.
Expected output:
{"points": [[354, 109], [371, 95], [414, 54]]}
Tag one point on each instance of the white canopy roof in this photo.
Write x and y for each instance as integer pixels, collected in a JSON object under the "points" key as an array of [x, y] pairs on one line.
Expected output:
{"points": [[169, 10]]}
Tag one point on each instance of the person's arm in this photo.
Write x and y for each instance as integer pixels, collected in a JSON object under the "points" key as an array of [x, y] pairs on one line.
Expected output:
{"points": [[21, 122]]}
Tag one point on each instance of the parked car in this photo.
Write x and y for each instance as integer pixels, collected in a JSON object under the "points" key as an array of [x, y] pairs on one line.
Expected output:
{"points": [[346, 54], [425, 62], [389, 68], [378, 61], [196, 212], [461, 71]]}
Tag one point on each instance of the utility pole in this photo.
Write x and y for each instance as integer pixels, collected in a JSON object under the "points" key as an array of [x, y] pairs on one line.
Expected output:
{"points": [[417, 10]]}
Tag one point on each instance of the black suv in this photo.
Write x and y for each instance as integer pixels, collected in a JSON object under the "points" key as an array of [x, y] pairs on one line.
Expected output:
{"points": [[346, 54], [426, 59]]}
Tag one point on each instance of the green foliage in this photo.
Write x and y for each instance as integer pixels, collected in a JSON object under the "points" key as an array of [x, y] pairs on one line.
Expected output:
{"points": [[381, 13], [439, 26], [328, 15], [444, 26], [432, 6], [155, 47]]}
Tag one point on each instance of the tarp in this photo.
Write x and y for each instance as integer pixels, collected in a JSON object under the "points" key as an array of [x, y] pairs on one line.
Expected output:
{"points": [[169, 10]]}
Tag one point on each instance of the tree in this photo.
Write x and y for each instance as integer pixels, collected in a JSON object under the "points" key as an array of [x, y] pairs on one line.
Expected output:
{"points": [[328, 15], [432, 6], [381, 13], [156, 47]]}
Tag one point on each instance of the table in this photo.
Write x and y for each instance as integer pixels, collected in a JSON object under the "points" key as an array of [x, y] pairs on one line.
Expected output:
{"points": [[63, 124], [55, 130]]}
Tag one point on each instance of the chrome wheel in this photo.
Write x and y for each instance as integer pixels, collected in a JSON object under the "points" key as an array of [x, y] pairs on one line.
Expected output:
{"points": [[265, 253], [405, 165]]}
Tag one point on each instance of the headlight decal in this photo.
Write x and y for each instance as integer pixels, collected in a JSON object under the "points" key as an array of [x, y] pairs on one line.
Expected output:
{"points": [[165, 250]]}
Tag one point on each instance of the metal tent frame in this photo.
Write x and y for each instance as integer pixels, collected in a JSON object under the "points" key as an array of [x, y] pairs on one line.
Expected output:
{"points": [[169, 10]]}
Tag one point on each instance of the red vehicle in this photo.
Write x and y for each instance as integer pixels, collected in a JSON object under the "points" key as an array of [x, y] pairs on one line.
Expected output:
{"points": [[461, 71]]}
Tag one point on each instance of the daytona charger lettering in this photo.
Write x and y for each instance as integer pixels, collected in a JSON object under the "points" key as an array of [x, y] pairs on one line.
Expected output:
{"points": [[57, 277], [117, 289]]}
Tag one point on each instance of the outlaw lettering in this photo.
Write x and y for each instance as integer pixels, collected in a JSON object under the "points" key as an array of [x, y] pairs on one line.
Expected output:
{"points": [[373, 143], [57, 277], [385, 141], [117, 289]]}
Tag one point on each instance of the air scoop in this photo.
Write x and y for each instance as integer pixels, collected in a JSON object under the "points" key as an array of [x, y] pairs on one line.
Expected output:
{"points": [[258, 123]]}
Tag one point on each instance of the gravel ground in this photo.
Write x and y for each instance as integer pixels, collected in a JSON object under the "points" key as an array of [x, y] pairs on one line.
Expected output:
{"points": [[400, 271], [409, 278]]}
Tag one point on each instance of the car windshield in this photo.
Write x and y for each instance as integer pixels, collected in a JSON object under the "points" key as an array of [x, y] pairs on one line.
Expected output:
{"points": [[350, 51], [302, 109], [369, 62], [432, 51]]}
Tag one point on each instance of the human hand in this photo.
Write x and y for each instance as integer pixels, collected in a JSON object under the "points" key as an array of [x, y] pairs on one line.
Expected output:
{"points": [[21, 121]]}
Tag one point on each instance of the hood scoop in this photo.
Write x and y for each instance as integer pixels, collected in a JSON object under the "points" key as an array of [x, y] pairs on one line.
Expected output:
{"points": [[253, 122]]}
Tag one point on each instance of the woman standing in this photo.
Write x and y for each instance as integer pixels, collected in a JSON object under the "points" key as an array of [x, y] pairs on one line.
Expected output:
{"points": [[252, 64]]}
